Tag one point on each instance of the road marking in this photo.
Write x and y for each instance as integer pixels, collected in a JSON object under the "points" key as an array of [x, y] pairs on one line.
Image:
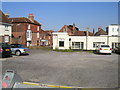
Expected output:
{"points": [[36, 84], [59, 86], [39, 84], [2, 59]]}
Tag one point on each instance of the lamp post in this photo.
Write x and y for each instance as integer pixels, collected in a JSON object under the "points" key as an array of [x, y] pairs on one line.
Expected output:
{"points": [[87, 37]]}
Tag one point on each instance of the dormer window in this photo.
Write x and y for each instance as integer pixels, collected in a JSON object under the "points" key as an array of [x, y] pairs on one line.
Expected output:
{"points": [[65, 30]]}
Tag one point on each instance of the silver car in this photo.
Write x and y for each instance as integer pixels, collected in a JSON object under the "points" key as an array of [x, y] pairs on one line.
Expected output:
{"points": [[18, 49]]}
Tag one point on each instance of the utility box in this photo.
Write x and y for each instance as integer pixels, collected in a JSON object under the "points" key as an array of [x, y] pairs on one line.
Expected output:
{"points": [[8, 79]]}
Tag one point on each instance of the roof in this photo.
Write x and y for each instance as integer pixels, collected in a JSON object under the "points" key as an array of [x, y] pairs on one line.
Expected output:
{"points": [[49, 31], [100, 32], [4, 19], [82, 33], [76, 31], [23, 20], [70, 27]]}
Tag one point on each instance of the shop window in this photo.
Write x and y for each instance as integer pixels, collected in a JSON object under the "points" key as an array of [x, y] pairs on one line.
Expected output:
{"points": [[77, 45], [61, 43]]}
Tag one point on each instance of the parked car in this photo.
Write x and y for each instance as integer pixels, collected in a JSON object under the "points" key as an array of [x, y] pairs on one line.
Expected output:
{"points": [[18, 49], [117, 50], [5, 50], [104, 49]]}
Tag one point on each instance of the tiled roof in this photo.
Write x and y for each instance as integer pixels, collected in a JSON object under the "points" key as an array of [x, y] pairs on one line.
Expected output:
{"points": [[82, 33], [71, 27], [23, 20], [75, 32], [4, 19], [100, 32]]}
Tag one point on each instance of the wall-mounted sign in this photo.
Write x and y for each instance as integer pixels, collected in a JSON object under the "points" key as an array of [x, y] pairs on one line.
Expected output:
{"points": [[61, 39]]}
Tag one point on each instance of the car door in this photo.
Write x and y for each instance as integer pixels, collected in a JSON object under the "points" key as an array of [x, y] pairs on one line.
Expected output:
{"points": [[13, 49]]}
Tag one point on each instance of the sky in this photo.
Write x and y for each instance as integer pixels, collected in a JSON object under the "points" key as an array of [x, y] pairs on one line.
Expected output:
{"points": [[54, 15]]}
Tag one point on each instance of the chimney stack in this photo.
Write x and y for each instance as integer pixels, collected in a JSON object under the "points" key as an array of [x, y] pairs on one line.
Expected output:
{"points": [[7, 15], [74, 29], [31, 17], [73, 26], [99, 29]]}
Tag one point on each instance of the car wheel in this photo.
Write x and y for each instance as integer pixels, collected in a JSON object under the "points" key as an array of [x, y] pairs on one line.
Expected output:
{"points": [[17, 53]]}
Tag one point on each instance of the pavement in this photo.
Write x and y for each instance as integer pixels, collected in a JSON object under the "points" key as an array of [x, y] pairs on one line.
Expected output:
{"points": [[81, 69]]}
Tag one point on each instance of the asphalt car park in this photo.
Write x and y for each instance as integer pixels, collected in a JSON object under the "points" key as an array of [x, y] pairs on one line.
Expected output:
{"points": [[83, 69]]}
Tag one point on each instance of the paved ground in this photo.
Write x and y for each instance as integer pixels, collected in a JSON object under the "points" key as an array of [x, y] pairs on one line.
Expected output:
{"points": [[81, 69]]}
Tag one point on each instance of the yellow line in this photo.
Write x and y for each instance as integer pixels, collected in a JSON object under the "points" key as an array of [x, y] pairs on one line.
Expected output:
{"points": [[36, 84], [31, 83], [59, 86]]}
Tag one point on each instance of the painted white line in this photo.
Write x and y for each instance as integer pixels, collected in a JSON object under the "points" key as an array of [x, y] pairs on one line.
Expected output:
{"points": [[2, 59]]}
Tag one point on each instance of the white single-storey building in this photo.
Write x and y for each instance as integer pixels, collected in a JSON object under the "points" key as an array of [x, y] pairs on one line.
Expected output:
{"points": [[61, 40]]}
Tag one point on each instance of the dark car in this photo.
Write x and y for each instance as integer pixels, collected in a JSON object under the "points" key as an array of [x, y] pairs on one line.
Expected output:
{"points": [[117, 50], [5, 50]]}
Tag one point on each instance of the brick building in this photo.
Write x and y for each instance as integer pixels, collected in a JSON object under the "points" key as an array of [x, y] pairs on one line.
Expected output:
{"points": [[48, 34], [25, 31], [72, 30], [100, 32]]}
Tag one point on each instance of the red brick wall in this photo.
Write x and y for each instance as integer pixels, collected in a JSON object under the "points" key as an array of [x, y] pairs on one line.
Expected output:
{"points": [[21, 32], [34, 39], [68, 30]]}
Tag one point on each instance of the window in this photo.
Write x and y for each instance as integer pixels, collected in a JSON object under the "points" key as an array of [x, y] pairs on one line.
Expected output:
{"points": [[29, 34], [65, 30], [61, 43], [16, 46], [113, 29], [6, 28], [6, 38], [95, 44], [29, 26], [115, 44], [38, 28], [77, 45], [38, 35], [105, 46], [118, 30]]}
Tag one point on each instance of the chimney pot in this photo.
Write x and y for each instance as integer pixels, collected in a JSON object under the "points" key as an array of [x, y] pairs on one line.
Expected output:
{"points": [[31, 17], [30, 14]]}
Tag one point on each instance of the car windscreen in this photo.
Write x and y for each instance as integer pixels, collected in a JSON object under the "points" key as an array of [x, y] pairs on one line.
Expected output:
{"points": [[17, 46], [4, 45], [105, 46]]}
